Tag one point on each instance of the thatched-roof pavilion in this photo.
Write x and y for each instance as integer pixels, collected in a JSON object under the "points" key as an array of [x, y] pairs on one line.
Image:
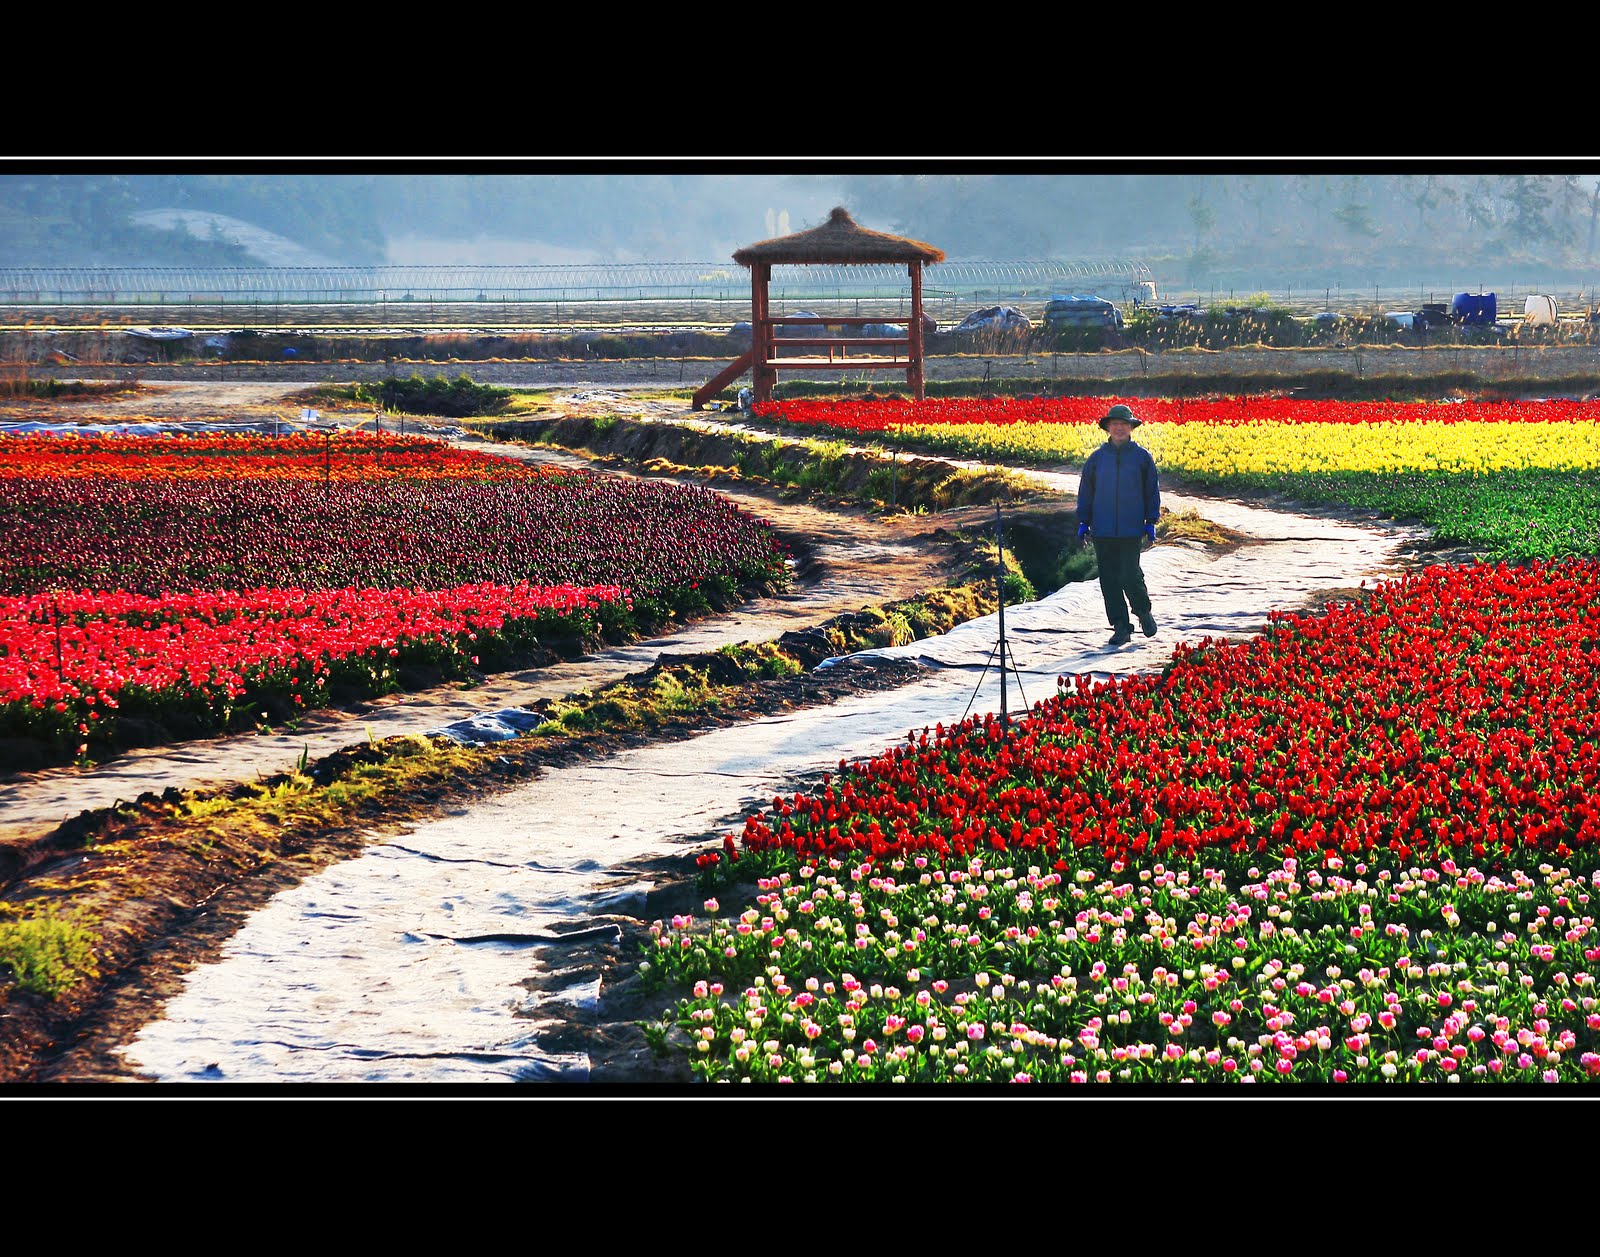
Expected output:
{"points": [[840, 240]]}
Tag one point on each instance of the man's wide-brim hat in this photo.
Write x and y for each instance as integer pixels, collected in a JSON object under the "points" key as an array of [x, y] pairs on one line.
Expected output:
{"points": [[1119, 412]]}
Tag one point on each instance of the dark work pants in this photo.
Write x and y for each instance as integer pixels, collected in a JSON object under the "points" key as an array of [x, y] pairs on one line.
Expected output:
{"points": [[1121, 578]]}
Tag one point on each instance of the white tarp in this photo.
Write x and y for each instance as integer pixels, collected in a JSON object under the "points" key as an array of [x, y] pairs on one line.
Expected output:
{"points": [[1540, 311], [146, 427], [158, 333]]}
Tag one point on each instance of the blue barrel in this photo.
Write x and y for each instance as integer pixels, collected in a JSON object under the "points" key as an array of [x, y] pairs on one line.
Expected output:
{"points": [[1470, 307]]}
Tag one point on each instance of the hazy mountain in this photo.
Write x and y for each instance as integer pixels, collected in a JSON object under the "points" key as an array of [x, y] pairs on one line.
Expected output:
{"points": [[1191, 225]]}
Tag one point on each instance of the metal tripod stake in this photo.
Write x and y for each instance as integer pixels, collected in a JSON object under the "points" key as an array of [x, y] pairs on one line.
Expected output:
{"points": [[1000, 590], [1000, 645]]}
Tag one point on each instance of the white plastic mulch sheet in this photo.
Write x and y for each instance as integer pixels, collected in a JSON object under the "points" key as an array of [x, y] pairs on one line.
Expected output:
{"points": [[147, 427], [412, 961], [1192, 596]]}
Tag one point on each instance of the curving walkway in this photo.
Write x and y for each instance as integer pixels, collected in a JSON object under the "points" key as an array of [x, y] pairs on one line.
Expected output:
{"points": [[434, 956]]}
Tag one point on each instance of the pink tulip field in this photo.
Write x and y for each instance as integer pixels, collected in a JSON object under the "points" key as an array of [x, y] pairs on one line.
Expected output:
{"points": [[1359, 849]]}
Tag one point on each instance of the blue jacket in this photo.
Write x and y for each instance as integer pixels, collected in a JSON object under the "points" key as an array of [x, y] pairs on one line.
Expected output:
{"points": [[1117, 494]]}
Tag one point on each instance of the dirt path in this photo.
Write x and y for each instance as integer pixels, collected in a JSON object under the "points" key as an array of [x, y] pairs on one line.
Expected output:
{"points": [[221, 399], [1531, 363]]}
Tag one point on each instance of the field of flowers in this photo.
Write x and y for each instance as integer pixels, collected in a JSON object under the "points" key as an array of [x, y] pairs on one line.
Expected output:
{"points": [[1358, 848], [198, 577], [1515, 480], [219, 455]]}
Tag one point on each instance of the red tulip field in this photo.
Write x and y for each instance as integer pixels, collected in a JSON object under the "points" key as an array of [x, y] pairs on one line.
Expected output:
{"points": [[1419, 726], [192, 579], [1360, 847]]}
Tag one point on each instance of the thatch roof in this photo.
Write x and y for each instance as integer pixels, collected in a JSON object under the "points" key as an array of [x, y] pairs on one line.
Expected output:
{"points": [[838, 240]]}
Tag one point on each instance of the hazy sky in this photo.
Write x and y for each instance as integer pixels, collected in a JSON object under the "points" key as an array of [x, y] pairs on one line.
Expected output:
{"points": [[1311, 220]]}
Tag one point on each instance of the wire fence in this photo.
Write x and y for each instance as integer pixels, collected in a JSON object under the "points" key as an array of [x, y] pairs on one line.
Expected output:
{"points": [[561, 298], [646, 294], [636, 281]]}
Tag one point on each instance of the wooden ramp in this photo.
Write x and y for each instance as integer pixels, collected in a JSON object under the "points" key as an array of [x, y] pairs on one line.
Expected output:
{"points": [[722, 379]]}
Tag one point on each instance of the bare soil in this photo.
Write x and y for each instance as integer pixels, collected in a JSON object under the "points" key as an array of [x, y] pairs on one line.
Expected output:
{"points": [[1508, 361]]}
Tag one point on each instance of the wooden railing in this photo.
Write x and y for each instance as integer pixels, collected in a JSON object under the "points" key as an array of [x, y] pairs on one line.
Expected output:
{"points": [[765, 354]]}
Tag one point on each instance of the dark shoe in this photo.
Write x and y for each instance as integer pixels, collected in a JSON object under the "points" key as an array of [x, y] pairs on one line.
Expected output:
{"points": [[1122, 636], [1148, 623]]}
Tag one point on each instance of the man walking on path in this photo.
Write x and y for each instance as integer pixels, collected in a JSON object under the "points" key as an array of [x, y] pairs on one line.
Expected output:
{"points": [[1119, 505]]}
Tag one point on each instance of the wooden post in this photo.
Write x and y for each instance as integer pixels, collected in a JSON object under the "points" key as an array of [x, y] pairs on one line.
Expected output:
{"points": [[769, 373], [914, 374], [760, 333], [755, 329]]}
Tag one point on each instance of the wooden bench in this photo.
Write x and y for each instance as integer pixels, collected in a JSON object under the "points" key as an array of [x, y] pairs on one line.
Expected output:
{"points": [[835, 342], [843, 346], [837, 364]]}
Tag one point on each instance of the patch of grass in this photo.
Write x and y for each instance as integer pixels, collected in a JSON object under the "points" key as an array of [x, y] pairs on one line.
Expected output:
{"points": [[871, 628], [826, 467], [758, 457], [660, 696], [810, 465], [764, 661], [449, 399], [1047, 552], [883, 485], [1530, 513], [15, 384], [934, 612], [1018, 588], [981, 567], [1189, 525], [704, 471], [47, 949], [979, 486], [679, 693], [327, 796], [1076, 565]]}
